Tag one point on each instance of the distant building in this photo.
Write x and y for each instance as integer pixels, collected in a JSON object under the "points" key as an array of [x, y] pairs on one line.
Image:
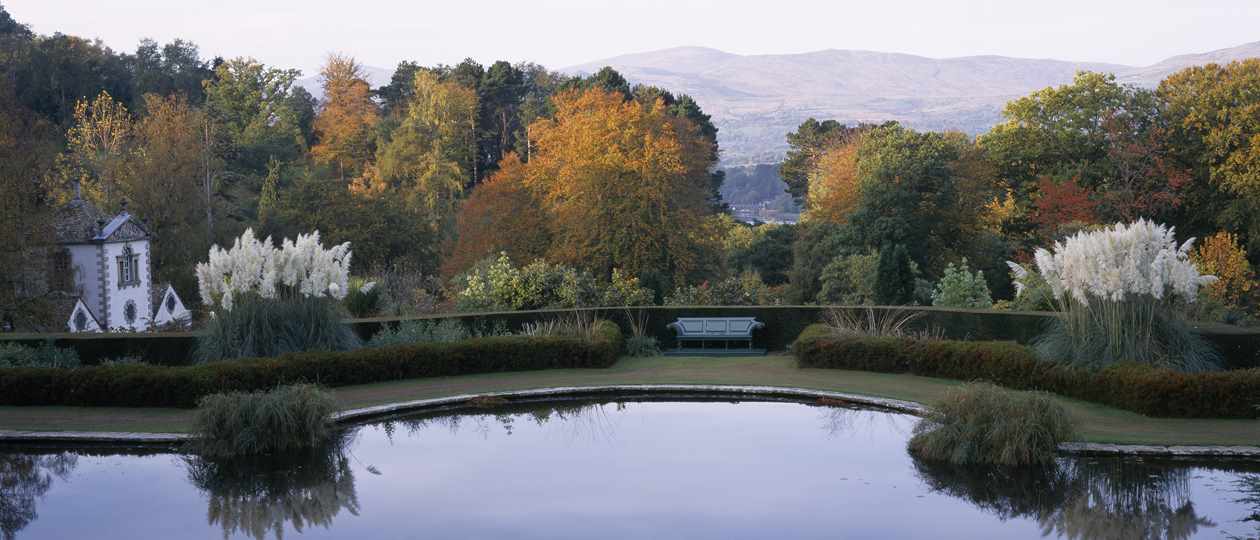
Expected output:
{"points": [[104, 262]]}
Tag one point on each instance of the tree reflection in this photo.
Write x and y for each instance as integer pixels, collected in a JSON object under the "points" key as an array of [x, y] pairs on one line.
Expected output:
{"points": [[24, 478], [1249, 485], [1079, 498], [257, 495], [584, 418]]}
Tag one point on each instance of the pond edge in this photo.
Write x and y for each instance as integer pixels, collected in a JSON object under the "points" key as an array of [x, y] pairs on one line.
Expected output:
{"points": [[459, 401]]}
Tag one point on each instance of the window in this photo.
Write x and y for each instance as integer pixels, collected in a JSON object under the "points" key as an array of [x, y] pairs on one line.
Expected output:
{"points": [[128, 268], [170, 304], [129, 312], [62, 278], [80, 321]]}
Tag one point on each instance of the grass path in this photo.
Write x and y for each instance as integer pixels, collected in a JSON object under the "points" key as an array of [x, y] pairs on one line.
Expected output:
{"points": [[1097, 423]]}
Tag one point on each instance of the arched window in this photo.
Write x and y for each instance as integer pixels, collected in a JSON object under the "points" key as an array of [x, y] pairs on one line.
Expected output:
{"points": [[170, 304], [80, 321], [128, 268]]}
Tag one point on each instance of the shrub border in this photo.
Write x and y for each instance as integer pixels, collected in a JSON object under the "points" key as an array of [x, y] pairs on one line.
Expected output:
{"points": [[1142, 389], [182, 386]]}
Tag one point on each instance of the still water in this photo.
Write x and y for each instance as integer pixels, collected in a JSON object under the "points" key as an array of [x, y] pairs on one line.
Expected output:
{"points": [[637, 469]]}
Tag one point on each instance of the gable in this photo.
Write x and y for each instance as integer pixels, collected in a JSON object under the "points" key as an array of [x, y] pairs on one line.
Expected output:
{"points": [[169, 309], [81, 319], [122, 228]]}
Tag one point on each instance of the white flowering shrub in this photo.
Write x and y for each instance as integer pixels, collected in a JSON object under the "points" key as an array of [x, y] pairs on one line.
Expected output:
{"points": [[273, 300], [300, 267], [1119, 291]]}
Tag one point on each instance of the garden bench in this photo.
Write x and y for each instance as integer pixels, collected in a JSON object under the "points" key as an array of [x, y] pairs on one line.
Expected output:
{"points": [[724, 329]]}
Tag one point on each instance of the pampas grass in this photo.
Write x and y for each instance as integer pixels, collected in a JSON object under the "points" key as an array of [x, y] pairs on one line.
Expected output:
{"points": [[1118, 292], [261, 327]]}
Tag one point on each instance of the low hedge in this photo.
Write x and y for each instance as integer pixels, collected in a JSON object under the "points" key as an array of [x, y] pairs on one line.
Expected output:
{"points": [[1142, 389], [182, 386], [1239, 346]]}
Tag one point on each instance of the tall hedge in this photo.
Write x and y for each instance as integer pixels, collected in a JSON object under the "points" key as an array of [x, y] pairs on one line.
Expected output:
{"points": [[1139, 388], [161, 386]]}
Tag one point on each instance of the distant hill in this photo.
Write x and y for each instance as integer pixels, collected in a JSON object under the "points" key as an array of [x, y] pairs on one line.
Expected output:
{"points": [[756, 99], [376, 76]]}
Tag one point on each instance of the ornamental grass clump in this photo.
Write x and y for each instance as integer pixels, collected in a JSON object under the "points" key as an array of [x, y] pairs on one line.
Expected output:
{"points": [[270, 300], [981, 423], [286, 419], [1119, 293]]}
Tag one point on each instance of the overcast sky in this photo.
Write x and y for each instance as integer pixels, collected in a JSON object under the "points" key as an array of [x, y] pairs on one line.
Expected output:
{"points": [[559, 33]]}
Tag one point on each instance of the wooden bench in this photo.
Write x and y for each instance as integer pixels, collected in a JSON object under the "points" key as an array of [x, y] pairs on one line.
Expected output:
{"points": [[724, 329]]}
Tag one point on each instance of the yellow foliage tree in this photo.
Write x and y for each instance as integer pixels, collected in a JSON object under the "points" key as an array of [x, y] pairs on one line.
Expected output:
{"points": [[98, 156], [625, 184], [345, 124], [834, 189], [1220, 255], [430, 156]]}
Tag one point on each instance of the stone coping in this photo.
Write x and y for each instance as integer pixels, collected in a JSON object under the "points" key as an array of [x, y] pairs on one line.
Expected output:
{"points": [[351, 416]]}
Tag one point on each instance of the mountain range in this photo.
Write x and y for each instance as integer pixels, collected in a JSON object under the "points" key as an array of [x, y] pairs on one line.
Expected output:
{"points": [[756, 99]]}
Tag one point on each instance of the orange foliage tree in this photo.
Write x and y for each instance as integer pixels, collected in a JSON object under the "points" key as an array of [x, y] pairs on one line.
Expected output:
{"points": [[345, 124], [625, 185], [1220, 255], [501, 215], [833, 184]]}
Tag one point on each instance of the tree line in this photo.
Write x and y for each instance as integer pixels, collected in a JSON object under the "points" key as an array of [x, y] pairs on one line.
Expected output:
{"points": [[590, 171], [444, 169]]}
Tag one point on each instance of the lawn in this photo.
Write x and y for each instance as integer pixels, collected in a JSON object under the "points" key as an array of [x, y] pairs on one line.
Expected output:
{"points": [[1097, 423]]}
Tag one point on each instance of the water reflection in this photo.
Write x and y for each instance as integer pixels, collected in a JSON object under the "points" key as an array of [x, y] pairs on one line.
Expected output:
{"points": [[583, 419], [631, 468], [254, 496], [25, 478], [1082, 498]]}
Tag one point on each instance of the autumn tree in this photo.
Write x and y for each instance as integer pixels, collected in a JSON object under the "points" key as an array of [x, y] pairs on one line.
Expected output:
{"points": [[1220, 255], [1214, 115], [1062, 206], [166, 186], [805, 145], [29, 145], [99, 153], [346, 121], [501, 215], [833, 185], [429, 158], [625, 185]]}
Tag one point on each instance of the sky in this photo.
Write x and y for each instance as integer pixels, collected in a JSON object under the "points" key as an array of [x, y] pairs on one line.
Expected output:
{"points": [[560, 33]]}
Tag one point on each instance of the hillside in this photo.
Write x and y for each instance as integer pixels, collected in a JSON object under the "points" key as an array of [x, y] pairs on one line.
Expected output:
{"points": [[756, 99]]}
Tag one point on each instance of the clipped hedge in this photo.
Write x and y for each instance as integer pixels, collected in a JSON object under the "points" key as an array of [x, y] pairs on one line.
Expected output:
{"points": [[1240, 346], [1142, 389], [183, 386]]}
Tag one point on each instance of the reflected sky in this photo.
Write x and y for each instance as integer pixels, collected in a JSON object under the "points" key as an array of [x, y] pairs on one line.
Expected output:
{"points": [[619, 470]]}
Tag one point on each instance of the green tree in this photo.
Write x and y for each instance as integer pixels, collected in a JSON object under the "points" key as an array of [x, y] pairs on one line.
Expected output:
{"points": [[908, 194], [895, 282], [250, 103], [805, 146], [1215, 115], [430, 157]]}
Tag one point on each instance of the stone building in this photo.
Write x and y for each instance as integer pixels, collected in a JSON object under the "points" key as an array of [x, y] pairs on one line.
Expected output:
{"points": [[104, 262]]}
